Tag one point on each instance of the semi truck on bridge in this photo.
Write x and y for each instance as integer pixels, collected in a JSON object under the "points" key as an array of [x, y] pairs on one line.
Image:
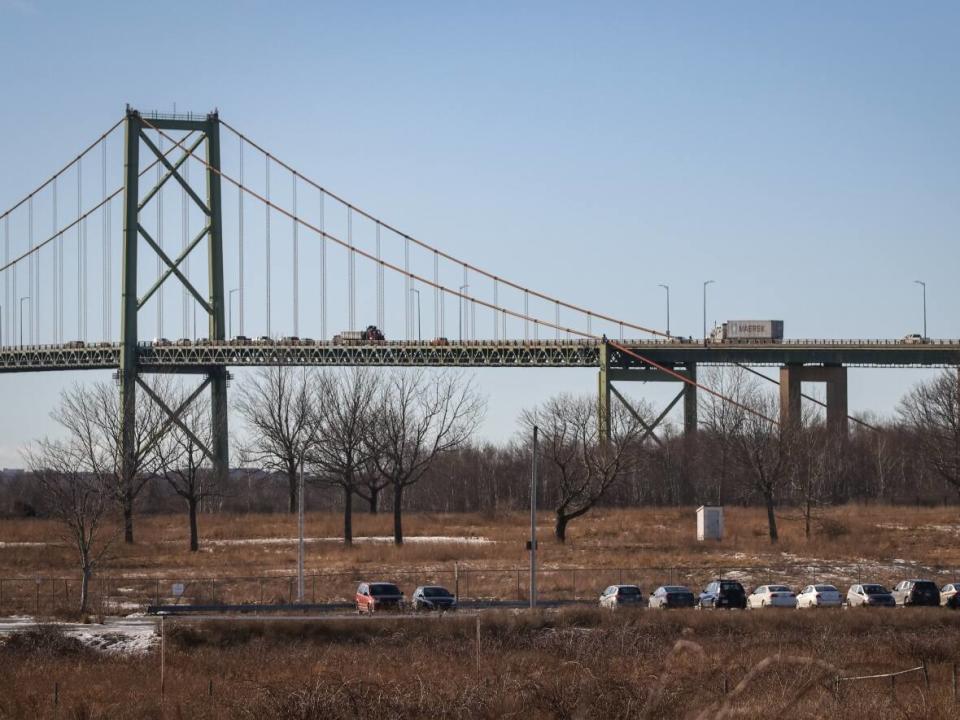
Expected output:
{"points": [[748, 330]]}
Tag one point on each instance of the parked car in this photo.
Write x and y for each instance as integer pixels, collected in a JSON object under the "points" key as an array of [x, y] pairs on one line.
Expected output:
{"points": [[433, 597], [869, 595], [950, 595], [917, 593], [378, 597], [723, 594], [616, 596], [819, 596], [671, 596], [772, 596]]}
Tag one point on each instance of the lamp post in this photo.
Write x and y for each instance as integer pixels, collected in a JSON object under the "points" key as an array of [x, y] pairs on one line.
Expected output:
{"points": [[924, 286], [462, 288], [667, 288], [419, 334], [230, 312], [26, 297], [706, 282], [300, 548]]}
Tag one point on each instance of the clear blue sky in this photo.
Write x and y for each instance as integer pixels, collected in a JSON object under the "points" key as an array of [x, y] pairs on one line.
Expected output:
{"points": [[803, 155]]}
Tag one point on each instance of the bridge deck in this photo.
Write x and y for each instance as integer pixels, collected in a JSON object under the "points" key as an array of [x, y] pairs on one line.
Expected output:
{"points": [[536, 354]]}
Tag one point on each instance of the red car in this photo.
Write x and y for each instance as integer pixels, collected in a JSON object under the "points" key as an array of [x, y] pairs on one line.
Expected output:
{"points": [[378, 597]]}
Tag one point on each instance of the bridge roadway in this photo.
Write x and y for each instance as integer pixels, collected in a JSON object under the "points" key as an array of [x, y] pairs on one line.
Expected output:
{"points": [[183, 356]]}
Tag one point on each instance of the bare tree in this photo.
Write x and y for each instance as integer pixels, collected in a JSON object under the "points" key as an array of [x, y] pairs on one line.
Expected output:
{"points": [[341, 425], [419, 418], [581, 466], [932, 411], [276, 403], [91, 414], [370, 483], [183, 462], [78, 493]]}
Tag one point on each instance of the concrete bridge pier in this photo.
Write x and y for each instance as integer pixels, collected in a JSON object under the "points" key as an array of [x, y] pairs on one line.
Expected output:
{"points": [[835, 377]]}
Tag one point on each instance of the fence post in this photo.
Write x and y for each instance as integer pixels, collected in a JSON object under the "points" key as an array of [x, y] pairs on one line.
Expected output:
{"points": [[926, 675], [456, 581]]}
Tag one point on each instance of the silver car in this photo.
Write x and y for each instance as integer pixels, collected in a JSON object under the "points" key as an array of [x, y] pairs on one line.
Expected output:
{"points": [[816, 596], [870, 595]]}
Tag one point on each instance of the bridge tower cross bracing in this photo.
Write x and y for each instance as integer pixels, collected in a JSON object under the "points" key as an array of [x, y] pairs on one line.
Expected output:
{"points": [[207, 128], [610, 374]]}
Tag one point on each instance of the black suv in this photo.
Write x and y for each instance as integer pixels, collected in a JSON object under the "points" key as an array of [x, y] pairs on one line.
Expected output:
{"points": [[723, 594], [917, 593]]}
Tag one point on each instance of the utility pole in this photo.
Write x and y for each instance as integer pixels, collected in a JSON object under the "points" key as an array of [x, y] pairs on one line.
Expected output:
{"points": [[708, 282], [300, 548], [533, 523], [667, 288]]}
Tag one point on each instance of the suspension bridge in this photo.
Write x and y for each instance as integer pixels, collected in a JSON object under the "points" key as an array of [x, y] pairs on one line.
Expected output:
{"points": [[222, 218]]}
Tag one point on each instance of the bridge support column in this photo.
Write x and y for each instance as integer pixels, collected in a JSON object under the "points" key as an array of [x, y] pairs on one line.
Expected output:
{"points": [[203, 130], [690, 418], [603, 396], [835, 377]]}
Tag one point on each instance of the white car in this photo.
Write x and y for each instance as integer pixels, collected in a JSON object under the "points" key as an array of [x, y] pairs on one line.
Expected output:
{"points": [[772, 596], [617, 596], [813, 596], [950, 595]]}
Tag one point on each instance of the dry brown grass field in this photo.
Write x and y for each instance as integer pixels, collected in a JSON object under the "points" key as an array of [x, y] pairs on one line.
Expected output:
{"points": [[250, 558], [571, 664]]}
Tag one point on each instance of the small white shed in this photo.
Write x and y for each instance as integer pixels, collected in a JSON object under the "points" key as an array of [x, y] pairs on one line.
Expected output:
{"points": [[709, 522]]}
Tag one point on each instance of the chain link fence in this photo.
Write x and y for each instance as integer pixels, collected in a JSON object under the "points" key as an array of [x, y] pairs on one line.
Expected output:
{"points": [[123, 595]]}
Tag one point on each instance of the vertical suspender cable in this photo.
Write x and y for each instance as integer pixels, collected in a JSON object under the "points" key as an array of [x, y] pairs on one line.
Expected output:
{"points": [[407, 287], [105, 248], [6, 277], [589, 324], [86, 284], [436, 294], [473, 319], [240, 194], [296, 263], [159, 239], [351, 260], [379, 283], [496, 304], [323, 271], [56, 287], [526, 315], [30, 286], [184, 241], [556, 317], [268, 244], [463, 309]]}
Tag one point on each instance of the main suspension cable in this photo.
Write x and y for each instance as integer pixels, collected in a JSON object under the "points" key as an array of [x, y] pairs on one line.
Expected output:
{"points": [[440, 252]]}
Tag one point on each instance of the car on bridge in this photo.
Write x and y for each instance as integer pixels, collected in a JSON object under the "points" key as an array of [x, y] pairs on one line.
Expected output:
{"points": [[378, 597], [914, 339]]}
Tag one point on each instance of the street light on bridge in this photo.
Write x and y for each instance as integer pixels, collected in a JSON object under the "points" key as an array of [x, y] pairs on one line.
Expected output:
{"points": [[706, 282], [667, 288], [924, 286]]}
